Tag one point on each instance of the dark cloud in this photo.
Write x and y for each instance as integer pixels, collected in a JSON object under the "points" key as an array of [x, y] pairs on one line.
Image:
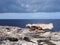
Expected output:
{"points": [[22, 6]]}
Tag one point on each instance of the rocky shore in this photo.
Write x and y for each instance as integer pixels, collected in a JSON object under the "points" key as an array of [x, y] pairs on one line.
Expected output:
{"points": [[11, 35]]}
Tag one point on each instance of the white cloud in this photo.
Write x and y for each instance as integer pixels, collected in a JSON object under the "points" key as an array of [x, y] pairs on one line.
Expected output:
{"points": [[30, 15]]}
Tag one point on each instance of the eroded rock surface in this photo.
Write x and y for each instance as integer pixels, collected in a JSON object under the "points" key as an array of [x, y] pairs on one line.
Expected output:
{"points": [[10, 35]]}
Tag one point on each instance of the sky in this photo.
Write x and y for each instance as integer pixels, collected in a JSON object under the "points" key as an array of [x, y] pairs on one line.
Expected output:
{"points": [[28, 6], [29, 9], [30, 15]]}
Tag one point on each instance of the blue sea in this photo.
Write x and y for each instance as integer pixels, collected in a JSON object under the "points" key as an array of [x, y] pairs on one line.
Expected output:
{"points": [[22, 22]]}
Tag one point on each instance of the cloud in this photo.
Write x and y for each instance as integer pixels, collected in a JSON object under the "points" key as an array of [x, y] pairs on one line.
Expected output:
{"points": [[30, 15], [25, 6]]}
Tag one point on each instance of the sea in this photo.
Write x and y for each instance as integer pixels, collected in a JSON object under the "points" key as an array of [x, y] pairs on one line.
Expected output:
{"points": [[22, 22]]}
